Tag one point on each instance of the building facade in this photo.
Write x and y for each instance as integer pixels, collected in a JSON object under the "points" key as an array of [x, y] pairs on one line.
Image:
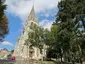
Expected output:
{"points": [[22, 51]]}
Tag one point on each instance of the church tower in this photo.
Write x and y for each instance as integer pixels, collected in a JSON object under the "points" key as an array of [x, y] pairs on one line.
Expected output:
{"points": [[21, 50], [32, 15]]}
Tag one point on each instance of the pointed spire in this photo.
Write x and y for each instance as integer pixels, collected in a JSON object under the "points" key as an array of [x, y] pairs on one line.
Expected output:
{"points": [[32, 16], [32, 13]]}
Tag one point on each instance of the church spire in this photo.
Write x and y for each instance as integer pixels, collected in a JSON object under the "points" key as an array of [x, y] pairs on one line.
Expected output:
{"points": [[32, 13], [32, 16]]}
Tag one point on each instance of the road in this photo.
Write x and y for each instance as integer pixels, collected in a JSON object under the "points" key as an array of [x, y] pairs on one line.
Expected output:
{"points": [[7, 62]]}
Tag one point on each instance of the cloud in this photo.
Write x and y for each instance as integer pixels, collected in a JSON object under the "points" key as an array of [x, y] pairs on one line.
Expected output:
{"points": [[42, 5], [6, 43], [22, 8], [46, 24]]}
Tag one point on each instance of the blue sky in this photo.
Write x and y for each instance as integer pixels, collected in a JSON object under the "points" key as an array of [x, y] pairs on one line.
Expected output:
{"points": [[17, 14], [14, 31]]}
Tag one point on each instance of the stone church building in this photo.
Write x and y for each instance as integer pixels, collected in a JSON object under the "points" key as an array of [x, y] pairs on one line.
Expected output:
{"points": [[22, 51]]}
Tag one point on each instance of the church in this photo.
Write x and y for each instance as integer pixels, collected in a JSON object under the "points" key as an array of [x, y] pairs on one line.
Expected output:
{"points": [[22, 51]]}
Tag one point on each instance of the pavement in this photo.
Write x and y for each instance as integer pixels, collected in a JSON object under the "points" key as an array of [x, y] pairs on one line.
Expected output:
{"points": [[7, 61]]}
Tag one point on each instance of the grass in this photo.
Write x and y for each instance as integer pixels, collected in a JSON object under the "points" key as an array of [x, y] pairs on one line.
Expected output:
{"points": [[2, 63], [47, 62]]}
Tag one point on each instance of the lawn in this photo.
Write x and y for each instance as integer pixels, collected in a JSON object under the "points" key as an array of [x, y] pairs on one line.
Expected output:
{"points": [[48, 62], [2, 63]]}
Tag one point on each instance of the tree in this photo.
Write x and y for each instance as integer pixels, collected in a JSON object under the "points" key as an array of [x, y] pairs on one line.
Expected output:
{"points": [[35, 37], [70, 37], [51, 38], [72, 9], [12, 51], [9, 56], [3, 21]]}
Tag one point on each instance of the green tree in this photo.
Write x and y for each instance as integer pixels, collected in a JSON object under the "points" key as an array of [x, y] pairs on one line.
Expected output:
{"points": [[35, 37], [70, 37], [12, 51], [3, 21], [51, 37], [9, 56]]}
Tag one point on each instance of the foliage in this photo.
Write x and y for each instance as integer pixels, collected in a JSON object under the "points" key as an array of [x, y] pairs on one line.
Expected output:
{"points": [[3, 21], [9, 56], [47, 62], [73, 9], [12, 51], [68, 38], [35, 37]]}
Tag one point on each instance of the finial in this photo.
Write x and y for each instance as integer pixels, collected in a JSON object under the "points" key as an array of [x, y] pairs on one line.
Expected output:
{"points": [[33, 6], [33, 3]]}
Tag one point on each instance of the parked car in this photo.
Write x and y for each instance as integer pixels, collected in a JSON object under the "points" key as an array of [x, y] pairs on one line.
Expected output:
{"points": [[12, 58]]}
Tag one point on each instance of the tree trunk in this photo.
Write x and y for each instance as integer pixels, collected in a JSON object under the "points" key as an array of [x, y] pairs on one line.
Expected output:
{"points": [[61, 59], [81, 61], [61, 54], [65, 57]]}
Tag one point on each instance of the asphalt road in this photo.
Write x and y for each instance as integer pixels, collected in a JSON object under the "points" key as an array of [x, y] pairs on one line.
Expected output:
{"points": [[7, 62]]}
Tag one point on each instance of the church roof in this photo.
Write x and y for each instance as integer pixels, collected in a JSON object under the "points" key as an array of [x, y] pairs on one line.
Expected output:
{"points": [[32, 15]]}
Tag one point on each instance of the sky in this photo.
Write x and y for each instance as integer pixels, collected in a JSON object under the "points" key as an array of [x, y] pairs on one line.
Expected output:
{"points": [[17, 12]]}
